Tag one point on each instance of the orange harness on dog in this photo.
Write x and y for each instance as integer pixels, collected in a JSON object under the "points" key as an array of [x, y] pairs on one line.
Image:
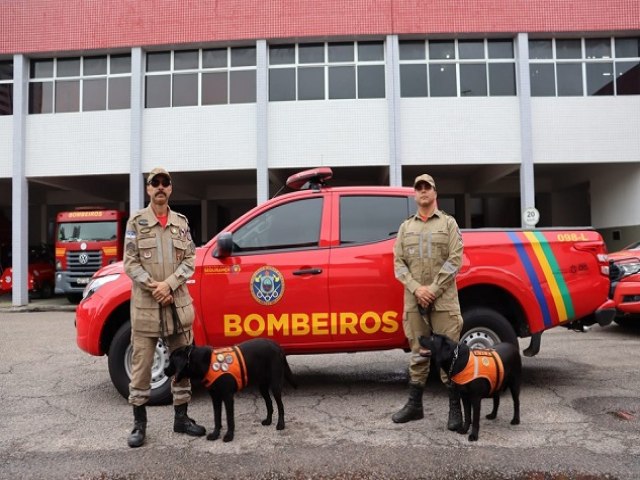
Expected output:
{"points": [[482, 364], [228, 360]]}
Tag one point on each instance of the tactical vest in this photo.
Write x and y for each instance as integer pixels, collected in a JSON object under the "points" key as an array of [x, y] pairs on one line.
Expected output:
{"points": [[482, 364], [227, 361]]}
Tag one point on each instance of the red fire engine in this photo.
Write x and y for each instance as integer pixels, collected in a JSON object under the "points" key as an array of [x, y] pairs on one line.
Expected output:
{"points": [[87, 239]]}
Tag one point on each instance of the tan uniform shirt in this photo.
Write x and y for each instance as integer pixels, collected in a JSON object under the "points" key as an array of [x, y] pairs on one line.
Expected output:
{"points": [[429, 253], [154, 253]]}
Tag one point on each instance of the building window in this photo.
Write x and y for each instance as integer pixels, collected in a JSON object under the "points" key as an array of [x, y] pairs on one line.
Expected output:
{"points": [[80, 84], [6, 87], [585, 67], [332, 70], [457, 68], [213, 76]]}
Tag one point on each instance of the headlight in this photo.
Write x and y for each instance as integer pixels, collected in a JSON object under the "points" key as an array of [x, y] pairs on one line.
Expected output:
{"points": [[629, 268], [96, 283]]}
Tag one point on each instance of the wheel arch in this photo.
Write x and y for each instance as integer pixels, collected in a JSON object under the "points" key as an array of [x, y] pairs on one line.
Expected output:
{"points": [[117, 318], [498, 299]]}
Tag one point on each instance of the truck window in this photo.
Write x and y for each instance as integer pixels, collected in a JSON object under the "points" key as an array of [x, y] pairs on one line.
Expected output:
{"points": [[87, 231], [291, 225], [368, 218]]}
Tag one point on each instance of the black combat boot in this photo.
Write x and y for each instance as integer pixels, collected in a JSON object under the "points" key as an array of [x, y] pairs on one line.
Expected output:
{"points": [[183, 424], [136, 438], [455, 413], [413, 409]]}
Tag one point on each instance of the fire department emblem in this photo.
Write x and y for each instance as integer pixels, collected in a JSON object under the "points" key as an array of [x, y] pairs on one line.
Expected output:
{"points": [[267, 286]]}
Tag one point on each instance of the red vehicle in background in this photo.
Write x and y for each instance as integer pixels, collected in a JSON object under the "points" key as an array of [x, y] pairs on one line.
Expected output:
{"points": [[41, 273], [625, 284], [87, 239]]}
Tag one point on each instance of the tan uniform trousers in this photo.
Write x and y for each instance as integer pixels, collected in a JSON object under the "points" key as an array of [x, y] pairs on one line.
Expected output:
{"points": [[144, 349], [415, 325]]}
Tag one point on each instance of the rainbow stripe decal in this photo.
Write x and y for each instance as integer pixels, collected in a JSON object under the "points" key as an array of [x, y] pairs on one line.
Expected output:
{"points": [[541, 266]]}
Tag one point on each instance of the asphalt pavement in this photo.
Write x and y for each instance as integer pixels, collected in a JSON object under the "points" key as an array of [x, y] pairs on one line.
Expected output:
{"points": [[62, 418]]}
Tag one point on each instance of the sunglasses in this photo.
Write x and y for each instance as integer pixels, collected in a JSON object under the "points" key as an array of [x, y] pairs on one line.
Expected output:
{"points": [[155, 182], [423, 186]]}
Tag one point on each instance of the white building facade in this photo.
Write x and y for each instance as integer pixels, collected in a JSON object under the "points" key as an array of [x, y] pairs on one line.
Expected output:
{"points": [[537, 108]]}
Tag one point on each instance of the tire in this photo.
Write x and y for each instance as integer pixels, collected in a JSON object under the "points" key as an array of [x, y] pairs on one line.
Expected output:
{"points": [[74, 298], [46, 290], [484, 327], [628, 322], [120, 367]]}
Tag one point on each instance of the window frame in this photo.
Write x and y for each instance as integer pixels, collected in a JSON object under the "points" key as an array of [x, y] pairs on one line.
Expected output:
{"points": [[327, 64], [458, 63], [201, 71], [584, 61], [54, 78]]}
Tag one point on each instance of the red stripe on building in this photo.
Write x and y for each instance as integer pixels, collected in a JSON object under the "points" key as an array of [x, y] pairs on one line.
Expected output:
{"points": [[28, 26]]}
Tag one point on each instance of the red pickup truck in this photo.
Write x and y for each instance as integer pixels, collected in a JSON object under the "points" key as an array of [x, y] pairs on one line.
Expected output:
{"points": [[313, 270]]}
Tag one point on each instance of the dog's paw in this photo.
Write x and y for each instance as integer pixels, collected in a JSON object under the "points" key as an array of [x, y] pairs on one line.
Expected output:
{"points": [[491, 416], [214, 435], [515, 421], [280, 426], [473, 437], [266, 421], [228, 437], [462, 430]]}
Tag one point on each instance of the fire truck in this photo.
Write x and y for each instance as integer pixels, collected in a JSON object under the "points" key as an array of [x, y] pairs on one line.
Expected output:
{"points": [[313, 270], [87, 239]]}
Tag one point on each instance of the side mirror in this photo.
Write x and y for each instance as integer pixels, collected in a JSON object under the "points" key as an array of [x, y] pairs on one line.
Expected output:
{"points": [[224, 245]]}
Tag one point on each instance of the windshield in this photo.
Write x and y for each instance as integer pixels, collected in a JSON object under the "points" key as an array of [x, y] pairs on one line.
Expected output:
{"points": [[87, 231], [633, 246]]}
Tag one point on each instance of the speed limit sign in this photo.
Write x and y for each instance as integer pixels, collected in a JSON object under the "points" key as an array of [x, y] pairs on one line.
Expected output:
{"points": [[531, 216]]}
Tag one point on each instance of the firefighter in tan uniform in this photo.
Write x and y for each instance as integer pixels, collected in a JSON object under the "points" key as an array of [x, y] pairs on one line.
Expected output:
{"points": [[159, 258], [427, 256]]}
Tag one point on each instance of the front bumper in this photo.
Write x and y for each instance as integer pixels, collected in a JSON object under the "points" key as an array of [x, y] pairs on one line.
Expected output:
{"points": [[626, 295], [67, 282]]}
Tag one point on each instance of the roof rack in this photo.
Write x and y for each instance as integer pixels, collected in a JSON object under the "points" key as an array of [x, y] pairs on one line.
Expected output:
{"points": [[310, 179]]}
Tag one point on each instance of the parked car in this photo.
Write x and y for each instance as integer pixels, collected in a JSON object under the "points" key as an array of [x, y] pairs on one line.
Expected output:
{"points": [[41, 273], [625, 284]]}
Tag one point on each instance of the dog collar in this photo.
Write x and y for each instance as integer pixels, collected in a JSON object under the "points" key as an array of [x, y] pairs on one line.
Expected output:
{"points": [[226, 361]]}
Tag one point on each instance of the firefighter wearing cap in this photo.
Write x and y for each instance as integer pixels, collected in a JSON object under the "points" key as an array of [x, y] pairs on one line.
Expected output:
{"points": [[159, 258], [427, 256]]}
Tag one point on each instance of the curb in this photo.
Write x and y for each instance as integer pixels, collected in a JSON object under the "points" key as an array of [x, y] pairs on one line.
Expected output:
{"points": [[38, 308]]}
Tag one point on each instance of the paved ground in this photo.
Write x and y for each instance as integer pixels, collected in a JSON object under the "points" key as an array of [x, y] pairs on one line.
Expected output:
{"points": [[62, 419]]}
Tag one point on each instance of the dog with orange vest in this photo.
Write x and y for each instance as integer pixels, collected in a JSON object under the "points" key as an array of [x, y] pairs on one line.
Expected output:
{"points": [[477, 374], [225, 371]]}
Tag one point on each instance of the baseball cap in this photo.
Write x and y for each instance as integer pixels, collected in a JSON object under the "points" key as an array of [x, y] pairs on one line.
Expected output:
{"points": [[158, 171], [424, 178]]}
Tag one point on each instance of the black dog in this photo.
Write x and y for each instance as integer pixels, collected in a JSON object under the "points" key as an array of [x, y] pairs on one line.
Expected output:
{"points": [[225, 371], [504, 367]]}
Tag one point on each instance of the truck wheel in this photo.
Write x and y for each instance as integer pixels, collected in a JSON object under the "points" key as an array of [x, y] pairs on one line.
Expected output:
{"points": [[120, 367], [46, 290], [484, 327]]}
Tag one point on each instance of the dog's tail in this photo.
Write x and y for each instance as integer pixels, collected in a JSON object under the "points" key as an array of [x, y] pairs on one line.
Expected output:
{"points": [[288, 375]]}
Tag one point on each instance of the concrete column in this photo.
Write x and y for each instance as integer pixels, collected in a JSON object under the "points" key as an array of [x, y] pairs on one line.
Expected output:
{"points": [[527, 186], [392, 79], [19, 186], [262, 127], [136, 181]]}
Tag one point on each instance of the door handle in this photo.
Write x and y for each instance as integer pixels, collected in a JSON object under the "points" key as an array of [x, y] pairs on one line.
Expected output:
{"points": [[308, 271]]}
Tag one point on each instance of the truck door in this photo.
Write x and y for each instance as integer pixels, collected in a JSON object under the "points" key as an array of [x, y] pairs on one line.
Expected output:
{"points": [[274, 284], [362, 286]]}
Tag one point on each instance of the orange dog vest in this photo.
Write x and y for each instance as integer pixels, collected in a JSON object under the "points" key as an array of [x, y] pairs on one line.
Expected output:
{"points": [[482, 364], [227, 361]]}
